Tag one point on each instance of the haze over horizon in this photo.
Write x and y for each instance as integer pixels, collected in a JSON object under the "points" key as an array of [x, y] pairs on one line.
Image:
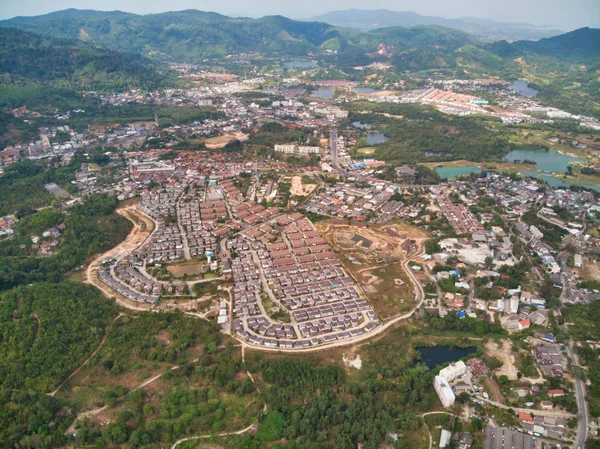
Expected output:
{"points": [[557, 13]]}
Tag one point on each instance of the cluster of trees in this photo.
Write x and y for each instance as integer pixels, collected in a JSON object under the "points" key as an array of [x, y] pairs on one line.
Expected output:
{"points": [[312, 405], [474, 326], [203, 396], [272, 133], [46, 330], [91, 227], [425, 130]]}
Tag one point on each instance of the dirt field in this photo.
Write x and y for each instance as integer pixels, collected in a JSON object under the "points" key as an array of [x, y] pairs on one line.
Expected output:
{"points": [[182, 269], [214, 143], [495, 394], [590, 271], [299, 189], [504, 354], [366, 151], [374, 257]]}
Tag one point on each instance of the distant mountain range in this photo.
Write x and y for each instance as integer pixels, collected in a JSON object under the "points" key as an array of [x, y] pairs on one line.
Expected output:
{"points": [[367, 19], [192, 36]]}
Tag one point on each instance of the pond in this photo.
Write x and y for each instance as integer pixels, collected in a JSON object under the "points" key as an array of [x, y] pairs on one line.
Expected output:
{"points": [[522, 88], [361, 125], [299, 64], [554, 182], [454, 172], [375, 138], [365, 90], [433, 356], [325, 92], [548, 161]]}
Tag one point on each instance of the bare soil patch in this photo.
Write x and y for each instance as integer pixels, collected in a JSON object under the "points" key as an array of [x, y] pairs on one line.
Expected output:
{"points": [[300, 189], [504, 353]]}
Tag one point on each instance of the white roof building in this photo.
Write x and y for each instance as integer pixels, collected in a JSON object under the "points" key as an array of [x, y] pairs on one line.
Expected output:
{"points": [[445, 393], [453, 371], [445, 438]]}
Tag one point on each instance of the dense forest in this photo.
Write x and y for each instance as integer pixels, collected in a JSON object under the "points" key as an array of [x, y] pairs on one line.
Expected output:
{"points": [[72, 64]]}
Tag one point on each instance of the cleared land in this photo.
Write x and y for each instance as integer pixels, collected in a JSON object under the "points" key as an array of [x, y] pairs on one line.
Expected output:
{"points": [[374, 257], [505, 354], [215, 143], [366, 151], [300, 187], [181, 269]]}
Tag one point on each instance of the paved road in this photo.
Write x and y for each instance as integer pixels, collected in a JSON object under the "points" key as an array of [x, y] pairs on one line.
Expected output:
{"points": [[582, 427], [184, 239]]}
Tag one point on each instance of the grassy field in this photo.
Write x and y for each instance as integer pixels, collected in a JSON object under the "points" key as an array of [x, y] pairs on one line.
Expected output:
{"points": [[367, 151], [497, 166]]}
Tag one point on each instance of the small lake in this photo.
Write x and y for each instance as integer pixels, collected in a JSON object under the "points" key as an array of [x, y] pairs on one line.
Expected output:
{"points": [[548, 161], [299, 64], [325, 92], [375, 138], [555, 182], [365, 90], [522, 88], [433, 356], [455, 172], [360, 125]]}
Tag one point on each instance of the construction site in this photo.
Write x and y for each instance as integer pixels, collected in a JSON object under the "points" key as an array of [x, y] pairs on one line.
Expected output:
{"points": [[375, 257]]}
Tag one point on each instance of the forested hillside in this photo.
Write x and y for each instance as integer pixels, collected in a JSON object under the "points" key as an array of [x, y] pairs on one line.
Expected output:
{"points": [[71, 64], [186, 35]]}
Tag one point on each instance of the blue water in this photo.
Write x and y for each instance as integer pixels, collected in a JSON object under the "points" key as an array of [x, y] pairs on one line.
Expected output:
{"points": [[298, 64], [554, 182], [454, 172], [361, 125], [365, 90], [433, 356], [325, 92], [548, 161], [374, 138], [522, 88]]}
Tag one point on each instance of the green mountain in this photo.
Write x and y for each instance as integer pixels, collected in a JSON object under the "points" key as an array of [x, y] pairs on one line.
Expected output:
{"points": [[27, 57], [186, 35], [581, 46]]}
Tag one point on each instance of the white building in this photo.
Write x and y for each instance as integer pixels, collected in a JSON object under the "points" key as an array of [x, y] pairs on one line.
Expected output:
{"points": [[287, 149], [308, 150], [445, 393], [578, 260], [445, 438], [536, 232], [453, 371]]}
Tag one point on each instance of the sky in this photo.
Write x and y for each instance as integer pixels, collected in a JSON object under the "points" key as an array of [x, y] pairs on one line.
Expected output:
{"points": [[562, 14]]}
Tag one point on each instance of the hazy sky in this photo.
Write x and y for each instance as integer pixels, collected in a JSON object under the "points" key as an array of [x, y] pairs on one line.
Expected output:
{"points": [[564, 14]]}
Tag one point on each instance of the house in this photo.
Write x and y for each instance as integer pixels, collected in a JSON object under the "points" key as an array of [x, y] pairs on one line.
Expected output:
{"points": [[546, 405], [555, 393], [525, 418], [524, 324]]}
